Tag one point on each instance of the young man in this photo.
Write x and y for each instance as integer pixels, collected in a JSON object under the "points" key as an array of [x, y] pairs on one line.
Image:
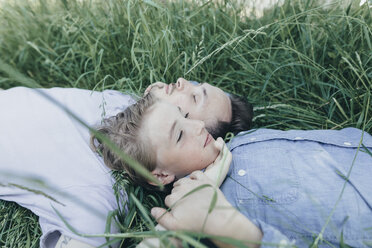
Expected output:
{"points": [[220, 111]]}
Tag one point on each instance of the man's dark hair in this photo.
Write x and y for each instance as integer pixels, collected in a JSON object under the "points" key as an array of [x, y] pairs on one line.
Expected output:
{"points": [[241, 118]]}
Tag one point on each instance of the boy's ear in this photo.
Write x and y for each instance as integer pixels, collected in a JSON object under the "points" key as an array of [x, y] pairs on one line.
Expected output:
{"points": [[164, 177]]}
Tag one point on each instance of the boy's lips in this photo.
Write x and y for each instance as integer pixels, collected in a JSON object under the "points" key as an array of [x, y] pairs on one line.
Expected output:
{"points": [[208, 140]]}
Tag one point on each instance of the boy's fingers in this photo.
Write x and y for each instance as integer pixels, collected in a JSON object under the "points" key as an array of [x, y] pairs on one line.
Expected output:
{"points": [[218, 144], [220, 140], [164, 218], [225, 149], [195, 175], [229, 157], [225, 155]]}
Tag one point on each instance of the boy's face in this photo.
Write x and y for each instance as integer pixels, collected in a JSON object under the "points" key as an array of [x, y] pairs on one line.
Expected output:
{"points": [[181, 145], [203, 101]]}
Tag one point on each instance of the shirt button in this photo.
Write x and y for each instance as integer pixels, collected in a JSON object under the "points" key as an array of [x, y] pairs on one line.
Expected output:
{"points": [[347, 143], [241, 173], [283, 242], [298, 138], [252, 139]]}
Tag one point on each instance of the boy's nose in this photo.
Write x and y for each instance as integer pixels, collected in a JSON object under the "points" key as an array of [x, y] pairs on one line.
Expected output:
{"points": [[199, 126]]}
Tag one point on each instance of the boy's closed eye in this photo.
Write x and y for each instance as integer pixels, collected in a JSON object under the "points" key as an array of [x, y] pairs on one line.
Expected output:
{"points": [[180, 136], [181, 133]]}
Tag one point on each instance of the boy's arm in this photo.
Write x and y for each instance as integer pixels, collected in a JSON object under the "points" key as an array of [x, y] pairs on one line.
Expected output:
{"points": [[218, 170], [191, 200]]}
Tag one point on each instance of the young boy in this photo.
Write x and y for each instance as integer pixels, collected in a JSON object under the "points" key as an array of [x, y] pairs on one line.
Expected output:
{"points": [[163, 139]]}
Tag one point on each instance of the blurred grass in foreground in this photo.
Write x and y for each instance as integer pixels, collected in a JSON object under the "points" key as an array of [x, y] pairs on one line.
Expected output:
{"points": [[302, 65]]}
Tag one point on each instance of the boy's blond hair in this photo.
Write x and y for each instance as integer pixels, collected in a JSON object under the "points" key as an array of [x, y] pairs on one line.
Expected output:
{"points": [[123, 130]]}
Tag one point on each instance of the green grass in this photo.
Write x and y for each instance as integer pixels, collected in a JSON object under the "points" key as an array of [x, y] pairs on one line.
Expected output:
{"points": [[301, 65], [19, 227]]}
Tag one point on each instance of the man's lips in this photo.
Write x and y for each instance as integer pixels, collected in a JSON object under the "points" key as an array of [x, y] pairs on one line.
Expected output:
{"points": [[173, 86], [169, 88], [208, 140]]}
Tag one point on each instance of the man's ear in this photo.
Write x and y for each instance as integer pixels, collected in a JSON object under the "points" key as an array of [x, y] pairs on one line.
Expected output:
{"points": [[164, 177]]}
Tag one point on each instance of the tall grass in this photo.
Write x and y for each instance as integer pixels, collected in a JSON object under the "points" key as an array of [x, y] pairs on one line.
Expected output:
{"points": [[302, 65], [18, 226]]}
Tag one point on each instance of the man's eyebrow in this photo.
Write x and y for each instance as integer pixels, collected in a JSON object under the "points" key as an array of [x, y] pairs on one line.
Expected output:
{"points": [[205, 94]]}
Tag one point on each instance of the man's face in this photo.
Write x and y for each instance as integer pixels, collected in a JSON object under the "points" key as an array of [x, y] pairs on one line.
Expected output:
{"points": [[181, 145], [203, 101]]}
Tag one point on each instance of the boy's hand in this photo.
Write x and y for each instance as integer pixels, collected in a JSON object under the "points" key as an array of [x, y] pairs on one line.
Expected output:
{"points": [[225, 155], [157, 84], [191, 212], [190, 202], [217, 171]]}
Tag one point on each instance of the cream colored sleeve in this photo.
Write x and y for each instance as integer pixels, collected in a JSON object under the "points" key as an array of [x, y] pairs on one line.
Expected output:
{"points": [[67, 242]]}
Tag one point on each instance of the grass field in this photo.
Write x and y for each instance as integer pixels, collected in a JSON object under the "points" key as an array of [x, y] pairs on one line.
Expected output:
{"points": [[303, 65]]}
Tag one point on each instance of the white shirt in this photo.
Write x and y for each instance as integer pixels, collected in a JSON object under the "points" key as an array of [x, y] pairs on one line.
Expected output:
{"points": [[43, 149]]}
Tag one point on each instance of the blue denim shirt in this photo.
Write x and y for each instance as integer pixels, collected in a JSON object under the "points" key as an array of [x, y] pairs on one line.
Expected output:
{"points": [[288, 182]]}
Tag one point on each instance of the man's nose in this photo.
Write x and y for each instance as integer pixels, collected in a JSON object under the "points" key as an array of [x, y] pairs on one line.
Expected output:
{"points": [[181, 83]]}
